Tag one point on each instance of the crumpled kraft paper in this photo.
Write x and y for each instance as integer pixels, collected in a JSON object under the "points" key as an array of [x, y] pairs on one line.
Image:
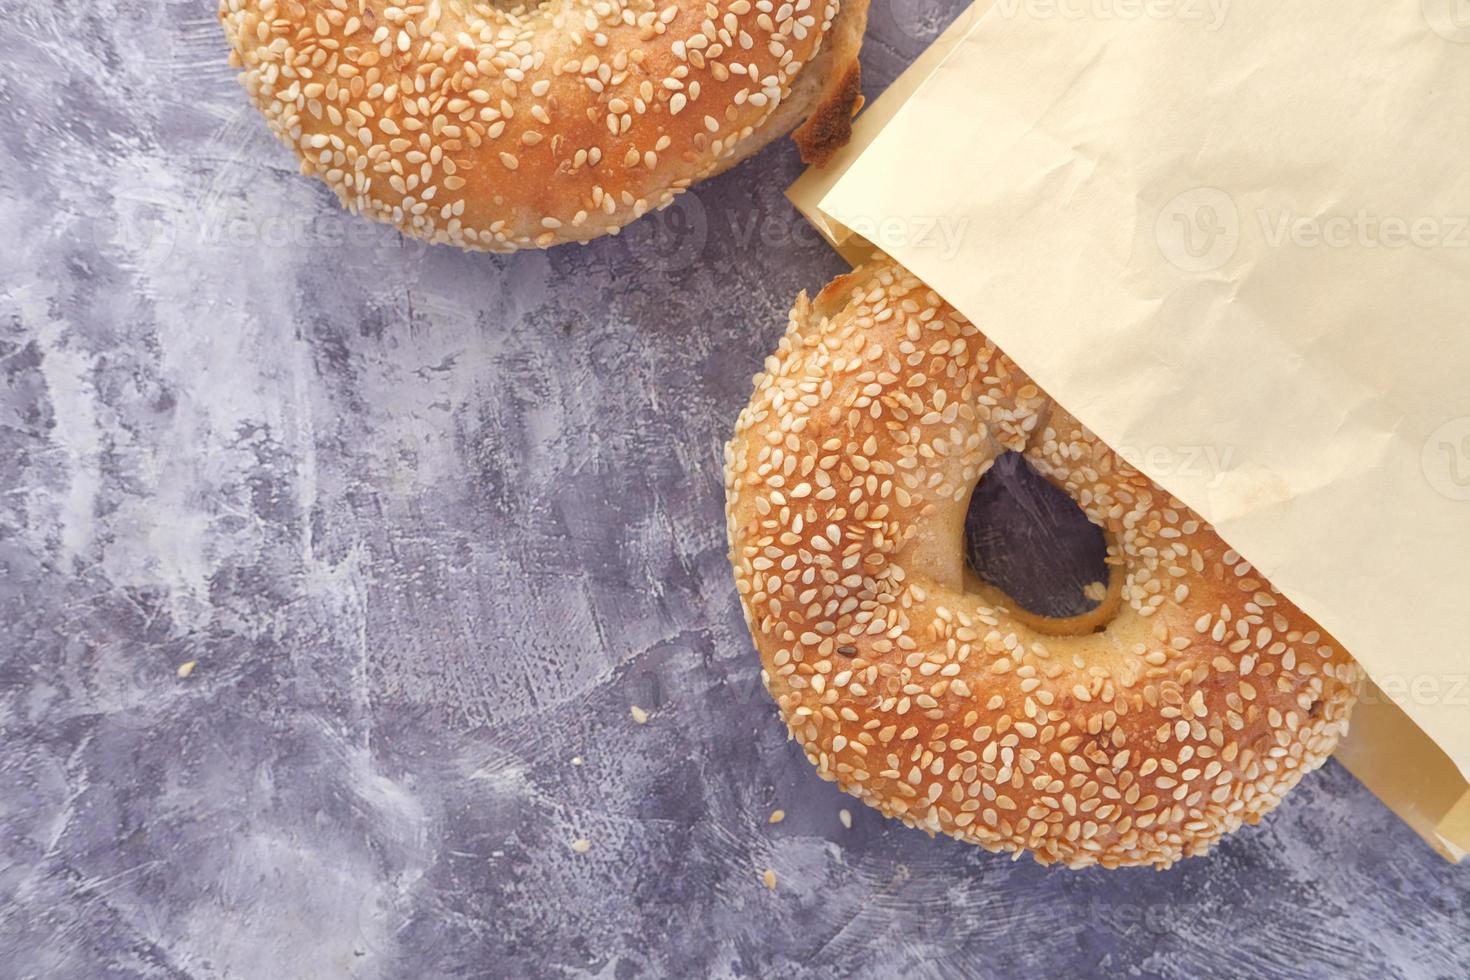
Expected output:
{"points": [[1233, 237]]}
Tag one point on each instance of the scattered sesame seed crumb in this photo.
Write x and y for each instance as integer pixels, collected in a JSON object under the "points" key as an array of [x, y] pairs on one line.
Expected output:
{"points": [[777, 816], [576, 760], [581, 845], [186, 669], [639, 715], [845, 816], [770, 879], [1096, 591]]}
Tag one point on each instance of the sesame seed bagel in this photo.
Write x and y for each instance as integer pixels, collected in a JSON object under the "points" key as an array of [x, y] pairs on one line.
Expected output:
{"points": [[504, 126], [1187, 702]]}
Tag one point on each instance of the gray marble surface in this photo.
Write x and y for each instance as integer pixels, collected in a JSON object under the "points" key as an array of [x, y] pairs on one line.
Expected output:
{"points": [[428, 524]]}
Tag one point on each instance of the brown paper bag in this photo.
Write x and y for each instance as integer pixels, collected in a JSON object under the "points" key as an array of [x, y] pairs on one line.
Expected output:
{"points": [[1233, 237]]}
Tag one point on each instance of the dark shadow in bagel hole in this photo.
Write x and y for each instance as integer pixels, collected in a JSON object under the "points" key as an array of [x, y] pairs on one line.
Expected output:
{"points": [[1031, 541]]}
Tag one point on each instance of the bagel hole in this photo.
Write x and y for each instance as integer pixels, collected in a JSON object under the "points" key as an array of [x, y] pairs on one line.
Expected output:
{"points": [[1031, 541]]}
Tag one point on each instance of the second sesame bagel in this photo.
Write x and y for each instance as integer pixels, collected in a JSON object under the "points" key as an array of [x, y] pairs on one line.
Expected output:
{"points": [[499, 126], [1187, 703]]}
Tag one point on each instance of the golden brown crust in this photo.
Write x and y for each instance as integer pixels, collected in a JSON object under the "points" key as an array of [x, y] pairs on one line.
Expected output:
{"points": [[504, 126], [814, 86], [1205, 699], [828, 129]]}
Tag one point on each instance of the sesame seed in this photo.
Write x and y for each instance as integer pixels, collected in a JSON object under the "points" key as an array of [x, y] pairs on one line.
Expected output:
{"points": [[945, 708], [394, 109]]}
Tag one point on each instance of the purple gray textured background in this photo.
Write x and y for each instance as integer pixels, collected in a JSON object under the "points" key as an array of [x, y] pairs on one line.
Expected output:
{"points": [[429, 523]]}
